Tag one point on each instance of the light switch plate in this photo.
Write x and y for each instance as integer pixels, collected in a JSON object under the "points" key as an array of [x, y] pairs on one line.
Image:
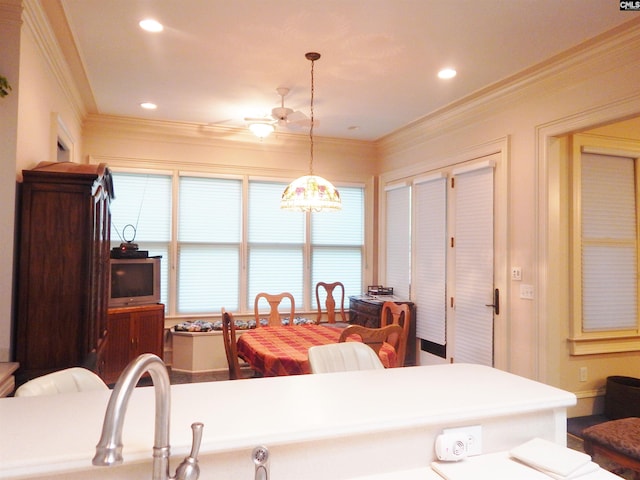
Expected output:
{"points": [[526, 291]]}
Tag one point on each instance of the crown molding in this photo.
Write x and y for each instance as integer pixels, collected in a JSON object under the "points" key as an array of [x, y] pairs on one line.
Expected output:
{"points": [[209, 134], [36, 21]]}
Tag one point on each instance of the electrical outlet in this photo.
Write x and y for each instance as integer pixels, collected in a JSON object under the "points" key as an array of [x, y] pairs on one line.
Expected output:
{"points": [[473, 434], [526, 292], [583, 374], [516, 273]]}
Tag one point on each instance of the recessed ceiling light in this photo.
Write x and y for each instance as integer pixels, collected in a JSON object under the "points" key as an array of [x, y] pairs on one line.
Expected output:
{"points": [[148, 105], [151, 25], [446, 73]]}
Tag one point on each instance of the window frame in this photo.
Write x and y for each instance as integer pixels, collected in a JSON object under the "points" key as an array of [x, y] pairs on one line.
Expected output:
{"points": [[603, 341]]}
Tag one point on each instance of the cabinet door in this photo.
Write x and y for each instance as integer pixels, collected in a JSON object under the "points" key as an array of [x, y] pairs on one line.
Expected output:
{"points": [[148, 331], [132, 331], [119, 346]]}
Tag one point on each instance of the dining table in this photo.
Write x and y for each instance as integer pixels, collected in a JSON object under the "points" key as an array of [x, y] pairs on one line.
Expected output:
{"points": [[283, 349]]}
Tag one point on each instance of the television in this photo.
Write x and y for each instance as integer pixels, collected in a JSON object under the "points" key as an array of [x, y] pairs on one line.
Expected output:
{"points": [[134, 281]]}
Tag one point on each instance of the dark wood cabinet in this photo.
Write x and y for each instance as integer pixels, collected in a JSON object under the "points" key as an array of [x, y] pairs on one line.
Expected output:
{"points": [[63, 248], [132, 331], [365, 310]]}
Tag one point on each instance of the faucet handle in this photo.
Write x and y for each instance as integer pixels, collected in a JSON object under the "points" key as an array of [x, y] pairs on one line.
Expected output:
{"points": [[189, 468]]}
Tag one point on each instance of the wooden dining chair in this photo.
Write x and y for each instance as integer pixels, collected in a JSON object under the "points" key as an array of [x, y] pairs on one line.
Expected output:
{"points": [[392, 334], [274, 303], [230, 345], [330, 302], [394, 313]]}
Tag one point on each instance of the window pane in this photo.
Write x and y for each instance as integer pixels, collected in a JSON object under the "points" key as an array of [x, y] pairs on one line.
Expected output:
{"points": [[430, 279], [336, 265], [141, 209], [208, 278], [274, 270], [609, 288], [398, 251], [144, 202], [342, 227], [269, 224], [210, 210]]}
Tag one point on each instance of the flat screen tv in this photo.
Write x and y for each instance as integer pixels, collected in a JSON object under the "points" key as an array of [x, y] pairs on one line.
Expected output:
{"points": [[134, 281]]}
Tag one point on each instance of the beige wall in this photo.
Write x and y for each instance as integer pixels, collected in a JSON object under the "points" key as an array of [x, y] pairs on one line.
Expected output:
{"points": [[573, 93], [10, 12]]}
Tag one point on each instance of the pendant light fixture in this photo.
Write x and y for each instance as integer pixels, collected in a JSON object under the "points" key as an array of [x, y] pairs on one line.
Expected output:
{"points": [[311, 193]]}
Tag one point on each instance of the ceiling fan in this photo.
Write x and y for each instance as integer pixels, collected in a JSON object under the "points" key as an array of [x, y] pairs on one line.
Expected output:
{"points": [[281, 116]]}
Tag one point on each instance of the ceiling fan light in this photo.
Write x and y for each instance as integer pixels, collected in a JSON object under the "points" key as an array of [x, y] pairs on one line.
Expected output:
{"points": [[310, 193], [261, 130]]}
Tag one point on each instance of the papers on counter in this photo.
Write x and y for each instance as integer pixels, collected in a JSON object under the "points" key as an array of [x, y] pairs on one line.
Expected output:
{"points": [[537, 459]]}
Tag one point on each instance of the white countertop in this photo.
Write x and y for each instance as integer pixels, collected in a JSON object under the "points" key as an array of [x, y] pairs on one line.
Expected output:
{"points": [[59, 433]]}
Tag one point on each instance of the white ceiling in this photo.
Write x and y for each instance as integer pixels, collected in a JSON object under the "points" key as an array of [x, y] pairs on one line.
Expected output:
{"points": [[219, 61]]}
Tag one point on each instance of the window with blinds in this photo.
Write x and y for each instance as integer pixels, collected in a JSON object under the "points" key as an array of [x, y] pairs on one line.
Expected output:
{"points": [[283, 251], [141, 213], [276, 245], [604, 244], [209, 243], [337, 242], [430, 276], [398, 239], [609, 243]]}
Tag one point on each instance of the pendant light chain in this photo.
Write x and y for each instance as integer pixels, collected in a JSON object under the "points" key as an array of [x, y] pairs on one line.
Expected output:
{"points": [[312, 122], [311, 193]]}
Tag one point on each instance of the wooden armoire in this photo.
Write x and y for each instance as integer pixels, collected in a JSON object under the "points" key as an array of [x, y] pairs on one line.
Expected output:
{"points": [[63, 268]]}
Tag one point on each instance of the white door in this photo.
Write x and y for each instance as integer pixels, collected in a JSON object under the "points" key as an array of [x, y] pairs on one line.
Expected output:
{"points": [[471, 305]]}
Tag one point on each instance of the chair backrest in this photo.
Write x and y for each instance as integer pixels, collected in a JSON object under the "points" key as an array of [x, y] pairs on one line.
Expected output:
{"points": [[374, 337], [274, 302], [74, 379], [230, 344], [400, 314], [330, 301], [343, 357]]}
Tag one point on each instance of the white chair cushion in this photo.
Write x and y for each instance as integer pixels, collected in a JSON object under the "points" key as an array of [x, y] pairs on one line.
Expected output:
{"points": [[73, 379], [343, 357]]}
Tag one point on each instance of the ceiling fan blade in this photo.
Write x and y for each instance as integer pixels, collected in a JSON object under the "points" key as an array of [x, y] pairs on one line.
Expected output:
{"points": [[297, 117], [258, 120]]}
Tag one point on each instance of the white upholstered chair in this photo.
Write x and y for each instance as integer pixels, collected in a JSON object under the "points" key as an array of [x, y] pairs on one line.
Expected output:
{"points": [[74, 379], [343, 357]]}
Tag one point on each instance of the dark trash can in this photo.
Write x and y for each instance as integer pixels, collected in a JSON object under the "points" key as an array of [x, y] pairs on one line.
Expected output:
{"points": [[622, 398]]}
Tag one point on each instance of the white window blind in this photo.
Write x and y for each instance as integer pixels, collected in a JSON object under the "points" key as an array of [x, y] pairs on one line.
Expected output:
{"points": [[337, 241], [474, 267], [398, 240], [276, 245], [209, 240], [141, 212], [609, 243], [430, 230]]}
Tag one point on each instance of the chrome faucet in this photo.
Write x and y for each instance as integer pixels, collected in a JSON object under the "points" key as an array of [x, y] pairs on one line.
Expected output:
{"points": [[109, 448]]}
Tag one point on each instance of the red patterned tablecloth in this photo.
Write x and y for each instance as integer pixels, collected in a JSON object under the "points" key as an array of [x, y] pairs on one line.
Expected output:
{"points": [[282, 350]]}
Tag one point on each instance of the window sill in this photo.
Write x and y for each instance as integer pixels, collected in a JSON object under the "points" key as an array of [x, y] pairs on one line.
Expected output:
{"points": [[591, 346]]}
